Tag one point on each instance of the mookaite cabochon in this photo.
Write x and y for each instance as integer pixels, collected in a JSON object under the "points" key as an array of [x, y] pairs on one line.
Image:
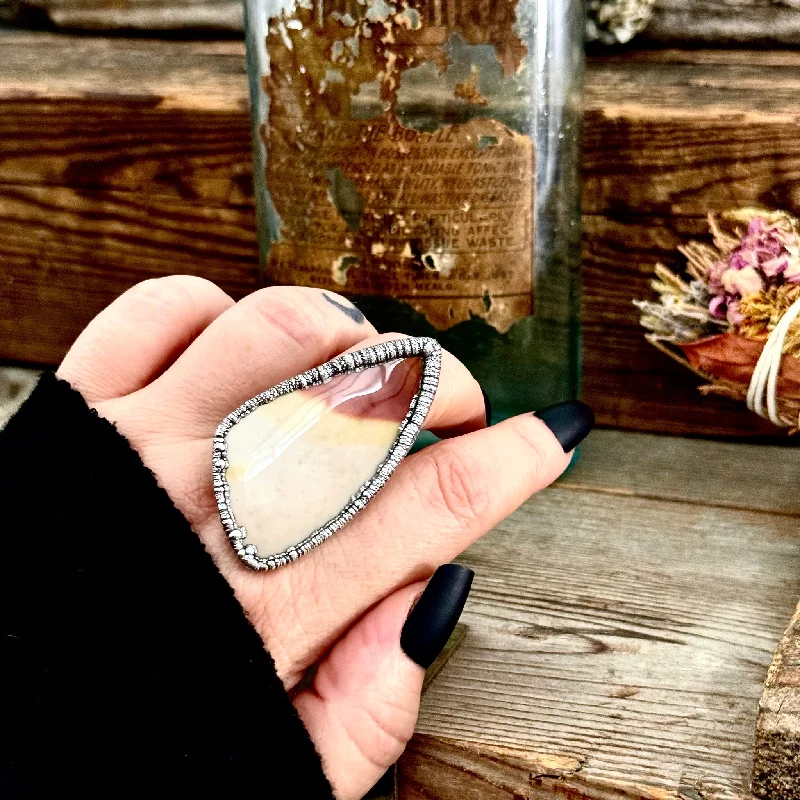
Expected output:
{"points": [[295, 463]]}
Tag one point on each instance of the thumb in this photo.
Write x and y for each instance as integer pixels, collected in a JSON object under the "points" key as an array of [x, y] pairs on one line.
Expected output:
{"points": [[362, 707]]}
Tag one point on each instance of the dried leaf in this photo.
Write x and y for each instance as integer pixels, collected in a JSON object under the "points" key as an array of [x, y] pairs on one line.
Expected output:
{"points": [[730, 357]]}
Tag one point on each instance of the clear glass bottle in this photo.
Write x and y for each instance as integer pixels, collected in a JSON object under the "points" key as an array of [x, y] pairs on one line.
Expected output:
{"points": [[422, 157]]}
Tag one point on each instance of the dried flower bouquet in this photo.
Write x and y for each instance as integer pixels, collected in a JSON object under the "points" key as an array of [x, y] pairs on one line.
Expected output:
{"points": [[717, 319]]}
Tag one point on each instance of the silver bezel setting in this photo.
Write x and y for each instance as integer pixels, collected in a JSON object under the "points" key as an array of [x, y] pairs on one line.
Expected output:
{"points": [[425, 348]]}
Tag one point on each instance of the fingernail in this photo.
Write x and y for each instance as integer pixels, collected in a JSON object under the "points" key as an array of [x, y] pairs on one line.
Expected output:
{"points": [[570, 422], [436, 613], [487, 404]]}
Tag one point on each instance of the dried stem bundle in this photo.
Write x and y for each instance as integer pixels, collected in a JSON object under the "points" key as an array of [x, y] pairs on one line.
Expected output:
{"points": [[716, 319]]}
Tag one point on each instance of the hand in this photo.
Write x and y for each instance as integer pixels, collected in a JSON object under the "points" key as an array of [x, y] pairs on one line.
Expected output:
{"points": [[171, 357]]}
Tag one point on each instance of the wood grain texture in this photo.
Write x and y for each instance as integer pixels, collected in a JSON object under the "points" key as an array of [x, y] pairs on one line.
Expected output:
{"points": [[224, 16], [724, 22], [67, 253], [171, 117], [673, 21], [776, 768], [127, 158], [619, 636], [731, 477], [721, 133], [165, 118]]}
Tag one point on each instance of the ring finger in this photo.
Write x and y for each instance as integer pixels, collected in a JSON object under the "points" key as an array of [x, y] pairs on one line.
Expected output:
{"points": [[437, 504]]}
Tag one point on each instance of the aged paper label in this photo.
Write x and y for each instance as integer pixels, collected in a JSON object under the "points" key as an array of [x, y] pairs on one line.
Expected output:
{"points": [[396, 165]]}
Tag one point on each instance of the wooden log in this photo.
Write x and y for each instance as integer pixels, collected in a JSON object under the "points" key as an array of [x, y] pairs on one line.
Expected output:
{"points": [[125, 159], [67, 253], [620, 629], [222, 16], [776, 767], [721, 134], [749, 22], [672, 21]]}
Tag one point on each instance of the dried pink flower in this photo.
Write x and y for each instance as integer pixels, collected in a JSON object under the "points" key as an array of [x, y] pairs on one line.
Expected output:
{"points": [[792, 272], [733, 315], [714, 275], [775, 266], [767, 255], [718, 306], [742, 281]]}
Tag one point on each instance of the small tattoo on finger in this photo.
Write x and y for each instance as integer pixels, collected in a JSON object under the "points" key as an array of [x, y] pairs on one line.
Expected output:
{"points": [[349, 310]]}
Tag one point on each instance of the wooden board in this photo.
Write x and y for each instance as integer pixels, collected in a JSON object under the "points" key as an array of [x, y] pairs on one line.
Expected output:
{"points": [[731, 477], [724, 22], [672, 21], [619, 632], [128, 158], [222, 16]]}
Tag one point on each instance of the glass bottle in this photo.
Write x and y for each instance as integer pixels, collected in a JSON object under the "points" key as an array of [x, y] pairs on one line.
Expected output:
{"points": [[422, 157]]}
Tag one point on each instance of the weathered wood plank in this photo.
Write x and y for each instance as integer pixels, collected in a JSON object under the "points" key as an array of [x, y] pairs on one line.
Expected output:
{"points": [[720, 134], [168, 118], [724, 22], [223, 16], [66, 254], [673, 21], [776, 767], [629, 636], [721, 474]]}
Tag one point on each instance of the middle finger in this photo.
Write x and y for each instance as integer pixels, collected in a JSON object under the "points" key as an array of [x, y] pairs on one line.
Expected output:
{"points": [[267, 337]]}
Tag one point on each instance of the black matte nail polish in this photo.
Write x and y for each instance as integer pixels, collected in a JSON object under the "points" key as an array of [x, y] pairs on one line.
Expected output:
{"points": [[487, 404], [436, 613], [570, 422]]}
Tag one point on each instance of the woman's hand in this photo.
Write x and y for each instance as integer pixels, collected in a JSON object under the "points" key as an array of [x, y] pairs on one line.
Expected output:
{"points": [[171, 357]]}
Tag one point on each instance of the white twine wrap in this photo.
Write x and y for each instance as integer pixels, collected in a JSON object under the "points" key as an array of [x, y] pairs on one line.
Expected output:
{"points": [[764, 382]]}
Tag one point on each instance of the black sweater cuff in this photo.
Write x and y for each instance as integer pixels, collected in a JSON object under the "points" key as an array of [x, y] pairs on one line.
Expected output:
{"points": [[129, 666]]}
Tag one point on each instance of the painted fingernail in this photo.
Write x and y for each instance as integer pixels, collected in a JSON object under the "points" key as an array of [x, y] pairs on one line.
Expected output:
{"points": [[570, 422], [487, 403], [436, 613]]}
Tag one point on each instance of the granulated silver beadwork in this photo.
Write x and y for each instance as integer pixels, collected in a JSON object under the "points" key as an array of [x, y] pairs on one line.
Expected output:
{"points": [[425, 348]]}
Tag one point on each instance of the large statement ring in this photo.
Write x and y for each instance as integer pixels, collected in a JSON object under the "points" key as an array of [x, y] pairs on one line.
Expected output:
{"points": [[296, 463]]}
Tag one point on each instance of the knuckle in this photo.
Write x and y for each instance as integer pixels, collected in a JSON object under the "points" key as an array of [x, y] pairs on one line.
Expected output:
{"points": [[201, 288], [293, 313], [159, 298], [452, 485]]}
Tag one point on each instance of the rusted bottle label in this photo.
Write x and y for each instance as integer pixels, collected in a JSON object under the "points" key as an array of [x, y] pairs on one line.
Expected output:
{"points": [[399, 160]]}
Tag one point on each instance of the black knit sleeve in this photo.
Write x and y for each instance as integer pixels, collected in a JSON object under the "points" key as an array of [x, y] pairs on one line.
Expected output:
{"points": [[128, 667]]}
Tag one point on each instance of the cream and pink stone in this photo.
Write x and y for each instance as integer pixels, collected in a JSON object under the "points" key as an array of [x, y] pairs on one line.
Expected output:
{"points": [[296, 462]]}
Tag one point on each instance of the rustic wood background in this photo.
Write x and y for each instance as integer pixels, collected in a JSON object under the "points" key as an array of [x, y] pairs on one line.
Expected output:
{"points": [[704, 22], [128, 158], [619, 631], [673, 21]]}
